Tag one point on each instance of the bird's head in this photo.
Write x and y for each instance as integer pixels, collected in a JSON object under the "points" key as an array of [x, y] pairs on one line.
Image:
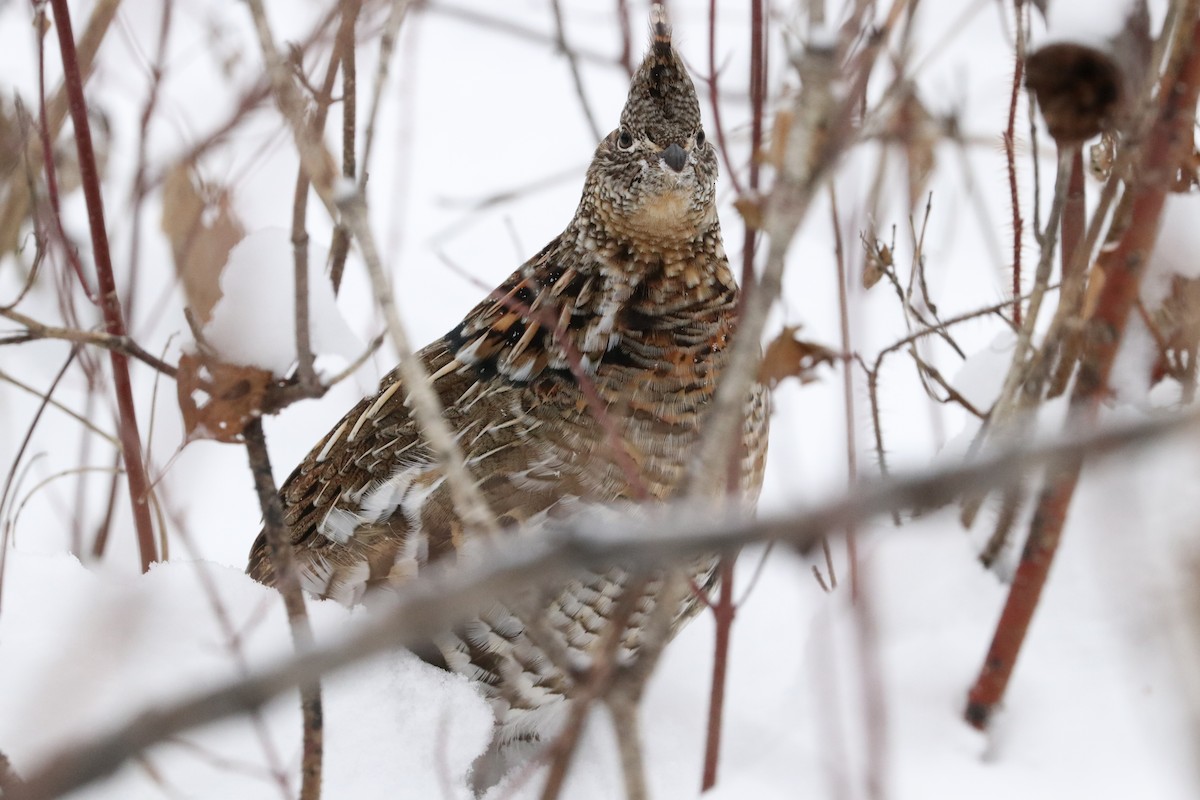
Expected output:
{"points": [[654, 177]]}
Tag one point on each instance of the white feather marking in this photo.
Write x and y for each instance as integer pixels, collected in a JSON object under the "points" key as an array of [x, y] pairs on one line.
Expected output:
{"points": [[473, 460], [370, 413], [333, 438], [315, 576], [523, 373], [349, 587], [453, 366], [412, 504], [466, 354], [339, 525]]}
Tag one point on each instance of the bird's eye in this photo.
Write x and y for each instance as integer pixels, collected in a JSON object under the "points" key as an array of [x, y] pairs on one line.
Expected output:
{"points": [[700, 137], [624, 140]]}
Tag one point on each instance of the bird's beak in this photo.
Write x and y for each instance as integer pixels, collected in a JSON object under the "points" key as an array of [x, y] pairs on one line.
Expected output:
{"points": [[675, 156]]}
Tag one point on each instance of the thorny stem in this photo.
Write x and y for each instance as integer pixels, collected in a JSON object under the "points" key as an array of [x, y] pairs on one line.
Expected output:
{"points": [[1165, 150], [1011, 161], [287, 580], [110, 301]]}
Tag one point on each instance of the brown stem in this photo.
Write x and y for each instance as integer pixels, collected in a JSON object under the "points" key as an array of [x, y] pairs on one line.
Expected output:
{"points": [[110, 302], [119, 344], [306, 376], [715, 101], [847, 392], [69, 252], [626, 36], [723, 610], [1122, 267], [560, 36], [1074, 214], [340, 248], [1011, 160], [758, 81], [287, 581], [723, 613]]}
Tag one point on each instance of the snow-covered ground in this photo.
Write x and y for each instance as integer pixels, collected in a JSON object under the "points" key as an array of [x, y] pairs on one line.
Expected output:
{"points": [[1104, 699]]}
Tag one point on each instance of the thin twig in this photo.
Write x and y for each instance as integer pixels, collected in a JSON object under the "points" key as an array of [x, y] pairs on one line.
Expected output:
{"points": [[345, 43], [115, 343], [1011, 162], [12, 471], [712, 79], [80, 418], [350, 205], [287, 581], [560, 40]]}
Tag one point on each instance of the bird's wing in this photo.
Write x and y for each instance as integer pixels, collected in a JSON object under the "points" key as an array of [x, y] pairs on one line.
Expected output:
{"points": [[370, 504]]}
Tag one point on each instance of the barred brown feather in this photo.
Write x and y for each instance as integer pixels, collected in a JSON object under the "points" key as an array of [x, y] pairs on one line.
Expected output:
{"points": [[635, 298]]}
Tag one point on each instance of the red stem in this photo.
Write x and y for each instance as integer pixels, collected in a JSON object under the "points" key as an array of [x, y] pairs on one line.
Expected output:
{"points": [[724, 609], [723, 612], [1074, 214], [1166, 148], [110, 302]]}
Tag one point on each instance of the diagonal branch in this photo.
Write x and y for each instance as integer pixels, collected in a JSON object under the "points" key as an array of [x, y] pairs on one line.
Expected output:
{"points": [[668, 534]]}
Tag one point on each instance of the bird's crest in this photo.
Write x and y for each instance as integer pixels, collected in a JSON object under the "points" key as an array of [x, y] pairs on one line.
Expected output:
{"points": [[662, 100]]}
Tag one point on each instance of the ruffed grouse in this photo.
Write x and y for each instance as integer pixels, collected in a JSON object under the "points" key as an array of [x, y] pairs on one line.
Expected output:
{"points": [[635, 297]]}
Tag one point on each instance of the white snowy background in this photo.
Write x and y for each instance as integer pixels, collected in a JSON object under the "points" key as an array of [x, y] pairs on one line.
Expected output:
{"points": [[1103, 700]]}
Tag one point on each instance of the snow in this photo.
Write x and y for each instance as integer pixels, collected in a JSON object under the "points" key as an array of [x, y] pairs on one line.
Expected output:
{"points": [[392, 714], [1093, 22], [1102, 705], [253, 323], [1175, 252]]}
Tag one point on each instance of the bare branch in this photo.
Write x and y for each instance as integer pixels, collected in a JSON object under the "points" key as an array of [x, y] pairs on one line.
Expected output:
{"points": [[351, 207], [116, 343], [666, 534]]}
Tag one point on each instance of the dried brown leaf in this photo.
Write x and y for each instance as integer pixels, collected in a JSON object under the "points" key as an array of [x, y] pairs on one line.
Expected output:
{"points": [[789, 357], [218, 399], [751, 209], [920, 133], [879, 261], [200, 222]]}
